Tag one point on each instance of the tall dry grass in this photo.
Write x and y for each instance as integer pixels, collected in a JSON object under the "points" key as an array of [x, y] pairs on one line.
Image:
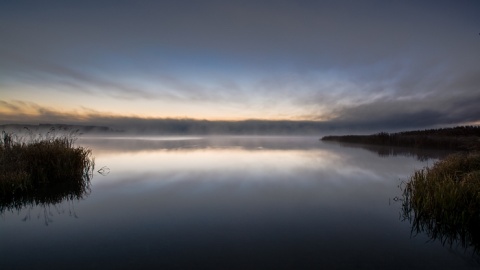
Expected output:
{"points": [[444, 200], [42, 168]]}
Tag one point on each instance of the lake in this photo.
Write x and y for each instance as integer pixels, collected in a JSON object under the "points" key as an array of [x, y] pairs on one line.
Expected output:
{"points": [[231, 203]]}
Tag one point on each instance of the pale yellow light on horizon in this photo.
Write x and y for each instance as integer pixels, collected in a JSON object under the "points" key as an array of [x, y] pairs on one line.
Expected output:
{"points": [[82, 107], [40, 102], [32, 111]]}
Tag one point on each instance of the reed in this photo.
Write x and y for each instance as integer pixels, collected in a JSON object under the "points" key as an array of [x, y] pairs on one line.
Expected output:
{"points": [[42, 169], [444, 200]]}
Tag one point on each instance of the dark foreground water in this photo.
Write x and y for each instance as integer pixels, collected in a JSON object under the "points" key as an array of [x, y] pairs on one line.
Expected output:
{"points": [[230, 203]]}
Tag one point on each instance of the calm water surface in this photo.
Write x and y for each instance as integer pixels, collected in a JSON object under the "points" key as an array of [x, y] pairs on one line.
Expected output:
{"points": [[229, 203]]}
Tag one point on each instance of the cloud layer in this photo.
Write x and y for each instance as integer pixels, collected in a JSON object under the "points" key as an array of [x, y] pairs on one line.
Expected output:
{"points": [[369, 64]]}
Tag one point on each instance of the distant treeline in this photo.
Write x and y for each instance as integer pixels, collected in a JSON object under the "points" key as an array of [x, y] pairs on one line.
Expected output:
{"points": [[245, 127], [186, 127], [457, 138], [57, 127]]}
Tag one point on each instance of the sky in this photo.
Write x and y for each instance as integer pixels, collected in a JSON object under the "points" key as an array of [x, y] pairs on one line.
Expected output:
{"points": [[379, 64]]}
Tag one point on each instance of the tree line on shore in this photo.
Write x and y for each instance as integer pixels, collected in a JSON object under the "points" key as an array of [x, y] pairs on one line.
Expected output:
{"points": [[462, 138]]}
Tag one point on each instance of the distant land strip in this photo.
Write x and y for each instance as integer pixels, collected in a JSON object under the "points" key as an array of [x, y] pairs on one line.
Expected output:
{"points": [[59, 127], [461, 138], [185, 127]]}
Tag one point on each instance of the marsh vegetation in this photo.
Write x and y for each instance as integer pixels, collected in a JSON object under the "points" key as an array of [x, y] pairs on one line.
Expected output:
{"points": [[444, 201], [42, 169], [242, 201]]}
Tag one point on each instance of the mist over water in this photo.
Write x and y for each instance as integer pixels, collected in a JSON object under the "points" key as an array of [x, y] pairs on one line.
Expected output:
{"points": [[234, 202]]}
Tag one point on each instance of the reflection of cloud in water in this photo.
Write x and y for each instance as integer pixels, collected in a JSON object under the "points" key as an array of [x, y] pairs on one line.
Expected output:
{"points": [[252, 158], [253, 163], [137, 144], [256, 201]]}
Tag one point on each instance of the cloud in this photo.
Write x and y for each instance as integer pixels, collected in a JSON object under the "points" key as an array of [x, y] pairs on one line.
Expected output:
{"points": [[306, 33], [43, 71], [436, 109], [379, 116], [9, 106], [366, 63]]}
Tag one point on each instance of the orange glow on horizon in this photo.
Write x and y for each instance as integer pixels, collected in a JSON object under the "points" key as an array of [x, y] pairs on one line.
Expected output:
{"points": [[32, 112]]}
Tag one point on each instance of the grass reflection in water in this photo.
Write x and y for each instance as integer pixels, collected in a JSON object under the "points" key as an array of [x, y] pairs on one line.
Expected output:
{"points": [[42, 171], [444, 201]]}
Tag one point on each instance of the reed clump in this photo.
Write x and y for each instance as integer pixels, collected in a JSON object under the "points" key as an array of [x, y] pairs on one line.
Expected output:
{"points": [[444, 200], [42, 169]]}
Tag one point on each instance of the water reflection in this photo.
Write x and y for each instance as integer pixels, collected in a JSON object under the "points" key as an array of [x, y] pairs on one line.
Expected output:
{"points": [[388, 151], [231, 203], [46, 197], [456, 227], [461, 229], [150, 144]]}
